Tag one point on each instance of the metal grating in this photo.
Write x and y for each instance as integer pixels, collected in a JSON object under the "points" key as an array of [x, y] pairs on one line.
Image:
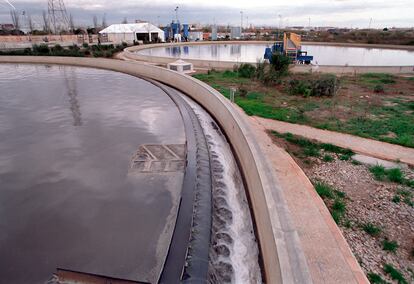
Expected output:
{"points": [[158, 159]]}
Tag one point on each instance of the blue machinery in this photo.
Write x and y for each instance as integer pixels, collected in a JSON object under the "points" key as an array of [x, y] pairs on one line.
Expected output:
{"points": [[176, 28], [291, 47]]}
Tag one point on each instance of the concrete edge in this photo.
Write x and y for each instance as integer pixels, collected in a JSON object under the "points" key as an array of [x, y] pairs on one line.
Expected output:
{"points": [[131, 53], [283, 258]]}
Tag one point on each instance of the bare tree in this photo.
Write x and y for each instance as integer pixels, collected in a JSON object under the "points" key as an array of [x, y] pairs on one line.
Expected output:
{"points": [[30, 23], [125, 20], [95, 21], [104, 24], [46, 27], [15, 19], [71, 23]]}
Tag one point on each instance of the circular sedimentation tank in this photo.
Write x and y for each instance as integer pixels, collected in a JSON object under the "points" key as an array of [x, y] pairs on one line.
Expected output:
{"points": [[252, 52], [96, 163]]}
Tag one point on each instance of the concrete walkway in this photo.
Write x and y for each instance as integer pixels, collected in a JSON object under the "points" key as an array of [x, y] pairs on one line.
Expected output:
{"points": [[327, 253], [357, 144]]}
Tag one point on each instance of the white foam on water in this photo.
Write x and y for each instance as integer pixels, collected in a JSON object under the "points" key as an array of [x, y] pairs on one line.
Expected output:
{"points": [[228, 185]]}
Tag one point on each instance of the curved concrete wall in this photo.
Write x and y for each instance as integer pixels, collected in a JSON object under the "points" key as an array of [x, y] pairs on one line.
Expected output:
{"points": [[132, 53], [283, 258]]}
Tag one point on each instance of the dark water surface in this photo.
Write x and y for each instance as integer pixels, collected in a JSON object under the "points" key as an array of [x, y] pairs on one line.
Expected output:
{"points": [[67, 198], [323, 55]]}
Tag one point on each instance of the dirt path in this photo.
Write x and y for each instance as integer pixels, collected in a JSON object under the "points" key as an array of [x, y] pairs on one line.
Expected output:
{"points": [[360, 145]]}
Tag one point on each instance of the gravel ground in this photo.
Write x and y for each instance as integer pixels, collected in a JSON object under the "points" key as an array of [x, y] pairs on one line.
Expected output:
{"points": [[369, 200]]}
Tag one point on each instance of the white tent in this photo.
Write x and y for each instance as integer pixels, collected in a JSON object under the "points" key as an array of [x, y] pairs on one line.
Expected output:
{"points": [[129, 32]]}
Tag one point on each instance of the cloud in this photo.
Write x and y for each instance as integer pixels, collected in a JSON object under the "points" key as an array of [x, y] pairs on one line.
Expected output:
{"points": [[259, 12]]}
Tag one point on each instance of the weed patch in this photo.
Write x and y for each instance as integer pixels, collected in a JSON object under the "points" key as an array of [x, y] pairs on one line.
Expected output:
{"points": [[395, 274], [371, 229], [393, 175], [391, 246], [376, 279], [324, 190]]}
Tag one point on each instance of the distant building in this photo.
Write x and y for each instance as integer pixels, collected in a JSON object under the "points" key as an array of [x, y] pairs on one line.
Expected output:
{"points": [[195, 36], [214, 33], [235, 33], [6, 27], [129, 33]]}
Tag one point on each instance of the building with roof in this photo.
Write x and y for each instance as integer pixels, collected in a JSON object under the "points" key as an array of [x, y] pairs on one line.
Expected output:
{"points": [[143, 31]]}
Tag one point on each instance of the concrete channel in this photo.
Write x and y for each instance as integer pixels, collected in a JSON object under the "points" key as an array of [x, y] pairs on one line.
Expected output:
{"points": [[283, 260]]}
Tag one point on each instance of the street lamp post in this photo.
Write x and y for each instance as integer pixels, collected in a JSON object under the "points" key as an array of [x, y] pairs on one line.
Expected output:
{"points": [[241, 23]]}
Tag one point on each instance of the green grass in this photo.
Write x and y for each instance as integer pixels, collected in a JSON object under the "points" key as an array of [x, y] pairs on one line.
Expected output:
{"points": [[378, 172], [393, 175], [377, 78], [381, 173], [391, 246], [375, 278], [324, 190], [338, 208], [390, 123], [405, 195], [371, 229], [396, 199], [312, 149], [395, 274], [328, 158]]}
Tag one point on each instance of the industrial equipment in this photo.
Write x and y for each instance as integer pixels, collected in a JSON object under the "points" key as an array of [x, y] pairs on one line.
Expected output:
{"points": [[290, 47]]}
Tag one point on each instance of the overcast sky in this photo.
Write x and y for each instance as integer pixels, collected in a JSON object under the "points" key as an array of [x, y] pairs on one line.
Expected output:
{"points": [[342, 13]]}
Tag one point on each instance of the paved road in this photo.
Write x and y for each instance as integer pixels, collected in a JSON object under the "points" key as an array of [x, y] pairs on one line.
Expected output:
{"points": [[360, 145]]}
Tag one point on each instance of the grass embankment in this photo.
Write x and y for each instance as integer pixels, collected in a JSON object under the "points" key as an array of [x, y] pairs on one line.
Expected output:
{"points": [[376, 106]]}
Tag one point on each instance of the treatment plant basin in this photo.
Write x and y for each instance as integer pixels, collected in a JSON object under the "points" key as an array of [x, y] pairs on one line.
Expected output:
{"points": [[108, 175], [252, 52], [69, 197]]}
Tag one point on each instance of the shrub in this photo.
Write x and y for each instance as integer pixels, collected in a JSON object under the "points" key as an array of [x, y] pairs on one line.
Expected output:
{"points": [[311, 151], [379, 89], [42, 49], [108, 53], [375, 278], [74, 47], [328, 158], [395, 175], [280, 63], [371, 229], [246, 70], [396, 199], [339, 206], [297, 87], [327, 85], [57, 47], [378, 171], [243, 91], [387, 80], [261, 70], [324, 190], [85, 45], [271, 77], [98, 53], [395, 274], [389, 245]]}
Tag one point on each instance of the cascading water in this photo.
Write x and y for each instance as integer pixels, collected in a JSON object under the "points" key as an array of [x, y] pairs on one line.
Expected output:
{"points": [[234, 254]]}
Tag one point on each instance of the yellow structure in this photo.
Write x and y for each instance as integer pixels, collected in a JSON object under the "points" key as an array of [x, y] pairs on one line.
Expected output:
{"points": [[292, 44]]}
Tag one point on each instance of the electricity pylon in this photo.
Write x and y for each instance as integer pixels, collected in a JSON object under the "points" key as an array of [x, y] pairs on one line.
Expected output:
{"points": [[58, 17]]}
